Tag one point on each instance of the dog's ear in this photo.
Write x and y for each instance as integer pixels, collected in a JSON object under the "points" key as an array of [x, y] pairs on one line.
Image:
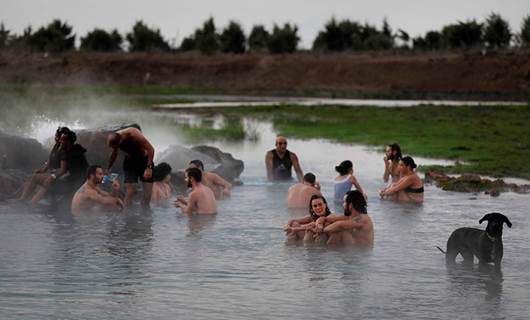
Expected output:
{"points": [[485, 217], [505, 220]]}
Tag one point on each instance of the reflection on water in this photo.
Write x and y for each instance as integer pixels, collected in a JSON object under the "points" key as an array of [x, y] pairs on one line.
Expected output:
{"points": [[236, 265]]}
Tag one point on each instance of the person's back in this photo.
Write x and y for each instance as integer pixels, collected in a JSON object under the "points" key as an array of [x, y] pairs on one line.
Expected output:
{"points": [[217, 184], [341, 184], [205, 202], [364, 235], [298, 195]]}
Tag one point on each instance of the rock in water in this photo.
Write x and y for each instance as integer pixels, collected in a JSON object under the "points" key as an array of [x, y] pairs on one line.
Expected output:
{"points": [[21, 153]]}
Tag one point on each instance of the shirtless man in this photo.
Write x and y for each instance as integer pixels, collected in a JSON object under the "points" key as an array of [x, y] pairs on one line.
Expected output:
{"points": [[138, 162], [391, 160], [201, 198], [299, 194], [89, 195], [219, 186], [354, 227], [279, 162]]}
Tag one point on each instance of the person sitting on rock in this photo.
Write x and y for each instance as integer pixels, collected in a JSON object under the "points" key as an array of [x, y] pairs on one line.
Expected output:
{"points": [[409, 187], [299, 194], [89, 196], [201, 199], [48, 172], [162, 188], [212, 180]]}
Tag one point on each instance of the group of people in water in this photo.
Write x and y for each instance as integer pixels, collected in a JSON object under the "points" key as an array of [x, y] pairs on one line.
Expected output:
{"points": [[67, 169], [354, 226]]}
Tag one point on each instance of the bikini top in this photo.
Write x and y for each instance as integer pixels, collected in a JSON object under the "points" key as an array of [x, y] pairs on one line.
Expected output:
{"points": [[414, 190]]}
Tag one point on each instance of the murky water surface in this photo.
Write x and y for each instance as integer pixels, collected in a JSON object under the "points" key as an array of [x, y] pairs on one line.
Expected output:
{"points": [[236, 265]]}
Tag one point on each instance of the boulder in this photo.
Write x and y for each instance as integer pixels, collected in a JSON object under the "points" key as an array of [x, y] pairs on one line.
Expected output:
{"points": [[21, 153], [228, 167], [11, 181]]}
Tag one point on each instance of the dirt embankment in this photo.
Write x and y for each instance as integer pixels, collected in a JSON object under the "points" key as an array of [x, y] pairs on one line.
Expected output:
{"points": [[474, 75]]}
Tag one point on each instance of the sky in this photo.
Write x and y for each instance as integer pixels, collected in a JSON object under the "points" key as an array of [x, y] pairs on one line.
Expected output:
{"points": [[178, 19]]}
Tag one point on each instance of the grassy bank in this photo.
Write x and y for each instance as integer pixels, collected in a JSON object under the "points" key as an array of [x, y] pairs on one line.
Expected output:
{"points": [[490, 140]]}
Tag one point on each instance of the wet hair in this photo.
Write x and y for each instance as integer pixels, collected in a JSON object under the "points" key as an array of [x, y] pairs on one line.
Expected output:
{"points": [[311, 213], [161, 171], [357, 200], [61, 130], [344, 167], [194, 173], [198, 164], [409, 162], [397, 148], [309, 177], [72, 137], [92, 170]]}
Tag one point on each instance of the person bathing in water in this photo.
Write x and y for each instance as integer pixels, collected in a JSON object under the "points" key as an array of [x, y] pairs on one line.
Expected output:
{"points": [[162, 188], [299, 194], [201, 199], [138, 161], [391, 160], [354, 227], [220, 187], [409, 187], [91, 196], [345, 180], [279, 162], [304, 228]]}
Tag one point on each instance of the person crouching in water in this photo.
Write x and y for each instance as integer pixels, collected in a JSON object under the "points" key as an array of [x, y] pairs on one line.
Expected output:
{"points": [[90, 196], [220, 187], [201, 199], [299, 194], [409, 187], [162, 188], [354, 227], [304, 228], [345, 180]]}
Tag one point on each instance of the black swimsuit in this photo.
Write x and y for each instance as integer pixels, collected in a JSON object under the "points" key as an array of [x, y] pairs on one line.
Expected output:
{"points": [[414, 190], [281, 167]]}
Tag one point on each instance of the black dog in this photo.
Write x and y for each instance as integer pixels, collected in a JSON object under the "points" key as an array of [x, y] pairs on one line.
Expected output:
{"points": [[485, 245]]}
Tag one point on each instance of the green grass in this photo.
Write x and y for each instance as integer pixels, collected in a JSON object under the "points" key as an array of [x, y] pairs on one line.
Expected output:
{"points": [[491, 140], [207, 132]]}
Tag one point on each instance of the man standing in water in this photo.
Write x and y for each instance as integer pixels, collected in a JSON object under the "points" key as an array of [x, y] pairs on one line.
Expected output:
{"points": [[298, 195], [89, 195], [138, 162], [279, 162], [354, 227], [201, 199]]}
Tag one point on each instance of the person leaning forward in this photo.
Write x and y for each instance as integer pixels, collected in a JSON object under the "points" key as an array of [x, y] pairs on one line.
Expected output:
{"points": [[279, 162], [138, 161]]}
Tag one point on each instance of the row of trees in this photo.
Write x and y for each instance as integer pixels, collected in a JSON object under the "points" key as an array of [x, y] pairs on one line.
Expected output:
{"points": [[345, 35]]}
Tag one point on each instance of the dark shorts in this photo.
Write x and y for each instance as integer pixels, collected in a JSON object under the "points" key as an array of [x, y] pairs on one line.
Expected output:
{"points": [[133, 168]]}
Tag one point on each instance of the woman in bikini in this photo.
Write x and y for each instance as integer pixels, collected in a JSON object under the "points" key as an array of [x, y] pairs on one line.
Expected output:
{"points": [[409, 187]]}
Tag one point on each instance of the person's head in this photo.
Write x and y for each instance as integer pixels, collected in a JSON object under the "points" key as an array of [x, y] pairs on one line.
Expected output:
{"points": [[193, 176], [196, 164], [354, 201], [281, 144], [113, 140], [318, 207], [59, 132], [67, 139], [94, 174], [310, 178], [393, 152], [162, 172], [407, 165], [345, 167]]}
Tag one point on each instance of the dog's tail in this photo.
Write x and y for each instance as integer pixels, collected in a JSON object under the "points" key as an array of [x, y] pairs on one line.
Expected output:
{"points": [[441, 250]]}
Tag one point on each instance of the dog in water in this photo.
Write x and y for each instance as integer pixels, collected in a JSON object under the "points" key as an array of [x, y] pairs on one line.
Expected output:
{"points": [[486, 245]]}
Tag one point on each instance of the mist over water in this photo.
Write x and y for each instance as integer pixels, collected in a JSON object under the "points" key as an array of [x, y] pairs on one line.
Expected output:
{"points": [[236, 265]]}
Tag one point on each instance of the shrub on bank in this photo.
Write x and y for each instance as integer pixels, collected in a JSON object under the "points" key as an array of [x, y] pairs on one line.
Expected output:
{"points": [[101, 40]]}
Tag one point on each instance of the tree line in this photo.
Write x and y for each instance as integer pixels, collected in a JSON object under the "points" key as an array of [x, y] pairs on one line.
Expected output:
{"points": [[336, 36]]}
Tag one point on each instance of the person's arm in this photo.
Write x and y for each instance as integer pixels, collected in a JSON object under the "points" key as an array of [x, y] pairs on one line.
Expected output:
{"points": [[297, 168], [62, 170], [107, 201], [388, 169], [331, 218], [112, 158], [303, 227], [400, 185], [189, 206], [268, 165], [219, 181], [357, 185], [304, 220]]}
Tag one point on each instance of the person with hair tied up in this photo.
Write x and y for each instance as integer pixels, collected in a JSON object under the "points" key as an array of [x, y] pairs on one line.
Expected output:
{"points": [[391, 160], [161, 186], [409, 187], [345, 180], [201, 199], [299, 194]]}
